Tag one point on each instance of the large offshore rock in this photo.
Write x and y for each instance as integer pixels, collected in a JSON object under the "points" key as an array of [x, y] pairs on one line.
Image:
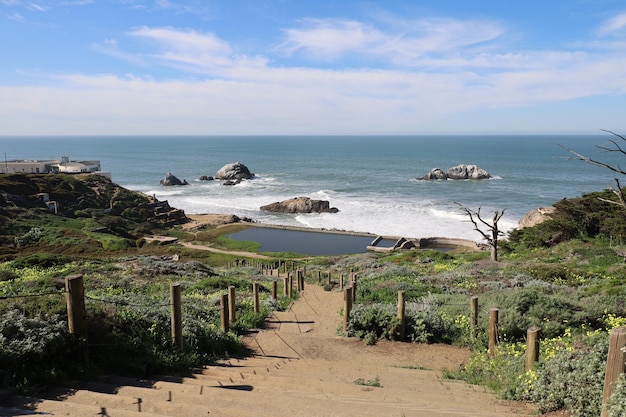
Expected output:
{"points": [[300, 205], [234, 171], [458, 172]]}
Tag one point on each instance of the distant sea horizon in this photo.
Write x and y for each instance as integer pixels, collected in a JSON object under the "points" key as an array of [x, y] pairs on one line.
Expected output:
{"points": [[371, 179]]}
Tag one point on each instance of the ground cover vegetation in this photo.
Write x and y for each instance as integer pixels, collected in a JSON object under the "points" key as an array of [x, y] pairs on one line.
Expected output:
{"points": [[565, 275]]}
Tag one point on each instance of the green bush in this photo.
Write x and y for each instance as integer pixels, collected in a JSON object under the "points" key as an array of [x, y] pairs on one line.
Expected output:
{"points": [[34, 351], [617, 403], [423, 323], [573, 379]]}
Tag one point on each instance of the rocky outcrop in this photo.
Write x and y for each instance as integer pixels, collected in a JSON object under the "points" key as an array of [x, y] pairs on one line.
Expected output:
{"points": [[534, 217], [458, 172], [170, 180], [300, 205], [206, 178], [435, 174], [234, 171]]}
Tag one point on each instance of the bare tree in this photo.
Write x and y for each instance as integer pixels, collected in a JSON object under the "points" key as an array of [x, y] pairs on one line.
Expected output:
{"points": [[613, 147], [492, 234]]}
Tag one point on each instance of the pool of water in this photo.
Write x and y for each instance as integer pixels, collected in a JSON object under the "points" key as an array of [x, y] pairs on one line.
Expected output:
{"points": [[307, 243]]}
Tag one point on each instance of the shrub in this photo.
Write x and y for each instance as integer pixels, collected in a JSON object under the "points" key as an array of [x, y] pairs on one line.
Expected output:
{"points": [[35, 350], [616, 406], [573, 379]]}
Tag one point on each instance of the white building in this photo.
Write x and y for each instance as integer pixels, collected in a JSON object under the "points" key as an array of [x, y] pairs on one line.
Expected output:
{"points": [[35, 166]]}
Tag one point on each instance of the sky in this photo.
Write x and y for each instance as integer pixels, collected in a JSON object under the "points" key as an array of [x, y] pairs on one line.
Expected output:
{"points": [[312, 67]]}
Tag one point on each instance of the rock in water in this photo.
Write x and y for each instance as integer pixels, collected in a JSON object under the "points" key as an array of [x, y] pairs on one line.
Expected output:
{"points": [[300, 205], [170, 179], [234, 171], [459, 172], [464, 172], [435, 174]]}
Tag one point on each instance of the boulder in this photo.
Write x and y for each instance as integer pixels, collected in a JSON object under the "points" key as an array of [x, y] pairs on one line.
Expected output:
{"points": [[170, 179], [459, 172], [435, 174], [534, 217], [465, 172], [300, 205], [234, 171], [206, 178]]}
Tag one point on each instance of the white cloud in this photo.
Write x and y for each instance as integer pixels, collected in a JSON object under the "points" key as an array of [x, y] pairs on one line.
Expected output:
{"points": [[405, 44], [419, 75], [267, 100], [614, 25]]}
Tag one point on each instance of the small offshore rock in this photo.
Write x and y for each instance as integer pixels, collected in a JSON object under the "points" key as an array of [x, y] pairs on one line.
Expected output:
{"points": [[170, 180], [206, 178]]}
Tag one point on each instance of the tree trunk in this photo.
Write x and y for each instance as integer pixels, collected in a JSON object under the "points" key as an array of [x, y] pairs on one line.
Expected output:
{"points": [[494, 252]]}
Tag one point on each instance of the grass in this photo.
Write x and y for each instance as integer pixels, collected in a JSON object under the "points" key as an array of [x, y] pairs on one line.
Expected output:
{"points": [[369, 382]]}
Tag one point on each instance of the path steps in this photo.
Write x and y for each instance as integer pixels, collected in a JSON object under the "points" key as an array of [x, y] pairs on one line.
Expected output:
{"points": [[283, 378]]}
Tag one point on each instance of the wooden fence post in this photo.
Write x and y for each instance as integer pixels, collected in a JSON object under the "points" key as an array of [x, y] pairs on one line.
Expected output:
{"points": [[290, 285], [614, 364], [286, 286], [76, 312], [224, 312], [347, 298], [177, 315], [302, 274], [474, 315], [340, 281], [319, 277], [275, 290], [532, 347], [354, 279], [401, 310], [329, 280], [255, 294], [493, 330], [232, 304]]}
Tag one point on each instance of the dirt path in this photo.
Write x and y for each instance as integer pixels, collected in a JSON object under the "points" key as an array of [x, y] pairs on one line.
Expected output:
{"points": [[226, 252], [299, 368], [409, 374]]}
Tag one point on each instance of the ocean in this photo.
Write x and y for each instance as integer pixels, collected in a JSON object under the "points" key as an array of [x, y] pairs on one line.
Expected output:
{"points": [[370, 179]]}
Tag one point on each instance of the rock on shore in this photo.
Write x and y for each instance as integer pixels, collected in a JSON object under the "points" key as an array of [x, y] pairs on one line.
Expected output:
{"points": [[300, 205], [534, 217], [458, 172]]}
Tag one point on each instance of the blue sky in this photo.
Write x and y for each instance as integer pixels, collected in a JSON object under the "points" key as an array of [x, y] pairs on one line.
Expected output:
{"points": [[280, 67]]}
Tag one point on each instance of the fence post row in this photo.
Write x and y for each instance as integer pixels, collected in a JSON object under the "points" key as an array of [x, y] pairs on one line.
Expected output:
{"points": [[177, 315]]}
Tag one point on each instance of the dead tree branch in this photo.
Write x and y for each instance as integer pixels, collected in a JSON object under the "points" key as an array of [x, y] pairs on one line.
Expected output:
{"points": [[493, 234], [615, 147]]}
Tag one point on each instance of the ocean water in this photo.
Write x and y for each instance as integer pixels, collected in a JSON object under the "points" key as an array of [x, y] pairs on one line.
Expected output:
{"points": [[370, 179]]}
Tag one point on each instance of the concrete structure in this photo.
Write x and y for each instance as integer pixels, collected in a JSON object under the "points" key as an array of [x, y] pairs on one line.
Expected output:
{"points": [[35, 166]]}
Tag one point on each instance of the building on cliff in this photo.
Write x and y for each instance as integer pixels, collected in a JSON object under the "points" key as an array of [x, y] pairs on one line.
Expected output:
{"points": [[35, 166]]}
